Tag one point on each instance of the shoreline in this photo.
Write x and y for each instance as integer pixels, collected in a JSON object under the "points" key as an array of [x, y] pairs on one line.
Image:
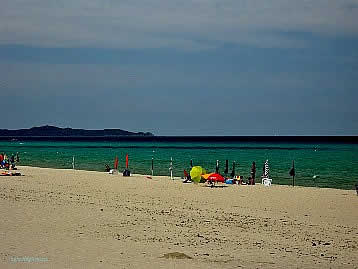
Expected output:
{"points": [[75, 218], [179, 178], [317, 165]]}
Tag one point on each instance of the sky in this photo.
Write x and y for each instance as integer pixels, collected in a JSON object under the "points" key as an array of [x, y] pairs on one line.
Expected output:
{"points": [[198, 67]]}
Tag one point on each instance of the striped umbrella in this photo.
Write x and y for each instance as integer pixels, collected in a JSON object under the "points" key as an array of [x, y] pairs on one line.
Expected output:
{"points": [[171, 168], [266, 169]]}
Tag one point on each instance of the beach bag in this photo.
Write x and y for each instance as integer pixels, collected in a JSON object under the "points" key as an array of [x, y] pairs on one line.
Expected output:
{"points": [[126, 173]]}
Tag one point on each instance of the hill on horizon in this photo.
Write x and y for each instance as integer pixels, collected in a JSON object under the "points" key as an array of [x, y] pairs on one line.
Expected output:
{"points": [[48, 130]]}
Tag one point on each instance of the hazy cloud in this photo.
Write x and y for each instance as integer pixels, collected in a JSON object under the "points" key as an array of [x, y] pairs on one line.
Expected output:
{"points": [[268, 67], [195, 24]]}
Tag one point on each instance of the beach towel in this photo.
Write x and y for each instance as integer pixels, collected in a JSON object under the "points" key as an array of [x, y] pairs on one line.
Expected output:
{"points": [[10, 174]]}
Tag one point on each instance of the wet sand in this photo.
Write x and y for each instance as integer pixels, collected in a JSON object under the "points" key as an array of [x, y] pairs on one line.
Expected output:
{"points": [[54, 218]]}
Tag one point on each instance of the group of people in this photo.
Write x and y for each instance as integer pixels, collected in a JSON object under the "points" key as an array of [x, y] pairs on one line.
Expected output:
{"points": [[8, 162], [237, 179], [249, 181]]}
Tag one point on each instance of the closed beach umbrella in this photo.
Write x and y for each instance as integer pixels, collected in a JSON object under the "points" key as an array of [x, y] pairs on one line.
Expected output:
{"points": [[266, 170], [152, 166], [127, 161], [226, 167], [191, 163], [116, 163], [253, 170], [171, 168], [233, 170], [293, 173], [217, 166]]}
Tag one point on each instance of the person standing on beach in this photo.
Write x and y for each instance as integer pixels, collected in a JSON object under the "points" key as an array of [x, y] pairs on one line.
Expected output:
{"points": [[12, 161], [6, 162], [253, 173], [1, 159]]}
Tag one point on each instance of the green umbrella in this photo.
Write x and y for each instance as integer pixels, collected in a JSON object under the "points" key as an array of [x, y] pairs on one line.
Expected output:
{"points": [[196, 172]]}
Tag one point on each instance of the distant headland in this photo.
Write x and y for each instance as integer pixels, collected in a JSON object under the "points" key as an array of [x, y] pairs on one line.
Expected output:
{"points": [[53, 131]]}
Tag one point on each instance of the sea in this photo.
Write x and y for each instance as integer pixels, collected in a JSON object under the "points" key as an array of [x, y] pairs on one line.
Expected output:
{"points": [[326, 163]]}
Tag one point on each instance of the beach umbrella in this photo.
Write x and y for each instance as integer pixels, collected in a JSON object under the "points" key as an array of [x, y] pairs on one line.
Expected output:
{"points": [[196, 172], [233, 170], [127, 161], [266, 170], [293, 173], [152, 166], [116, 163], [253, 174], [216, 177], [205, 176], [253, 170], [217, 166], [226, 167], [191, 163], [171, 168]]}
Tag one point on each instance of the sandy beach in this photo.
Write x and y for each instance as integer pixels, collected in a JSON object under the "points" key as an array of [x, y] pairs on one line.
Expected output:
{"points": [[52, 218]]}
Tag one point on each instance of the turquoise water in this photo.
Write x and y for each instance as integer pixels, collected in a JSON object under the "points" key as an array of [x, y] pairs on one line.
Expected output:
{"points": [[335, 164]]}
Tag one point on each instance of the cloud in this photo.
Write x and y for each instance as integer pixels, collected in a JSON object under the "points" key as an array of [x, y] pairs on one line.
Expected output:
{"points": [[188, 25]]}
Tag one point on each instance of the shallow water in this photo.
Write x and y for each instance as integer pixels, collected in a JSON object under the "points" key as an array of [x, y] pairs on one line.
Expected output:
{"points": [[336, 165]]}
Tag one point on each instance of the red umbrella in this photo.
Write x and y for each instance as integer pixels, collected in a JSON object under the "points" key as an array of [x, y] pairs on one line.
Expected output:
{"points": [[127, 161], [116, 163], [216, 177]]}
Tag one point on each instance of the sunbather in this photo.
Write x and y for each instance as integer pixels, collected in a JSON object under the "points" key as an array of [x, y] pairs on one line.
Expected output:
{"points": [[187, 177]]}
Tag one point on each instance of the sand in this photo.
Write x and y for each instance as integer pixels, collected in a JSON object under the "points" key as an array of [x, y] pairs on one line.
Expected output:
{"points": [[52, 218]]}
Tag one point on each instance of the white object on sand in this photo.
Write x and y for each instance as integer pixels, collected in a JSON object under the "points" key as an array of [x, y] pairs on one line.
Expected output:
{"points": [[266, 181], [113, 172]]}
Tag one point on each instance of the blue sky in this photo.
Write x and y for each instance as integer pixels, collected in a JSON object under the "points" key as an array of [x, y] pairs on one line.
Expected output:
{"points": [[181, 68]]}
